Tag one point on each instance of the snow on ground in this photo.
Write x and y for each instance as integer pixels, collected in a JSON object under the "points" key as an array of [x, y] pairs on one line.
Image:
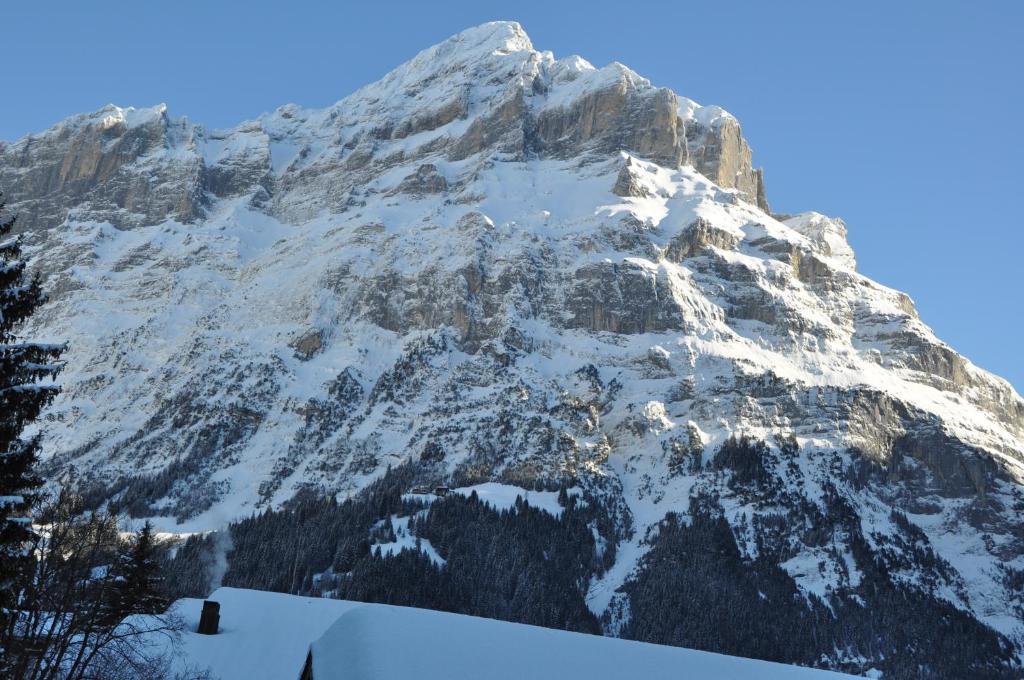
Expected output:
{"points": [[405, 540], [503, 497], [267, 636]]}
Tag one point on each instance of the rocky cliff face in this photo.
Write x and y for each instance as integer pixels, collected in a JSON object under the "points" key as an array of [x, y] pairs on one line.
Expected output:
{"points": [[513, 267]]}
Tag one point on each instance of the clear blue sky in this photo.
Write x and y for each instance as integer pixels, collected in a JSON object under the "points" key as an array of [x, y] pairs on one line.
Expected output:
{"points": [[904, 118]]}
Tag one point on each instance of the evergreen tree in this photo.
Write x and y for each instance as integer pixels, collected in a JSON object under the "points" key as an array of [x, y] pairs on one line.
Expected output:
{"points": [[139, 587], [23, 394]]}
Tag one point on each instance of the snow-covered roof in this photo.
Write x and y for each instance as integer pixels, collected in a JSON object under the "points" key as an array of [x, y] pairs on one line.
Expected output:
{"points": [[262, 634], [380, 641], [268, 635]]}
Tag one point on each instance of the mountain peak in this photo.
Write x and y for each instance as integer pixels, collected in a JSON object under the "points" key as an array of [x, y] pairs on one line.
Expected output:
{"points": [[496, 36], [489, 54]]}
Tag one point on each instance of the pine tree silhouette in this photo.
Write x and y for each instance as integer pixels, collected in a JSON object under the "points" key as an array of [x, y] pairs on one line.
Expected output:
{"points": [[23, 393]]}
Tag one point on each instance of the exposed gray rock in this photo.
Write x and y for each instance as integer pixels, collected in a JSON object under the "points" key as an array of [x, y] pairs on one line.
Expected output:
{"points": [[128, 171], [627, 184], [696, 237], [425, 121], [308, 344], [426, 180], [720, 153], [500, 130], [623, 116], [621, 298]]}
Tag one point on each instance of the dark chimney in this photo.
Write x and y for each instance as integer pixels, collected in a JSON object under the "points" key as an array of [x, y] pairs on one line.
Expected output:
{"points": [[209, 620]]}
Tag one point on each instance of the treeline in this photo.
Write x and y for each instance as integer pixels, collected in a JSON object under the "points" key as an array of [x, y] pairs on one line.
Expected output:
{"points": [[521, 564], [696, 590]]}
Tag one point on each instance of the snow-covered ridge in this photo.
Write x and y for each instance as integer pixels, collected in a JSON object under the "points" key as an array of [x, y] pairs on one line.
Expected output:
{"points": [[106, 117], [708, 116], [459, 97]]}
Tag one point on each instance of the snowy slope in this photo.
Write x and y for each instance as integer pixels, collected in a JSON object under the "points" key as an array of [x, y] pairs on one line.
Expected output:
{"points": [[267, 635], [516, 269]]}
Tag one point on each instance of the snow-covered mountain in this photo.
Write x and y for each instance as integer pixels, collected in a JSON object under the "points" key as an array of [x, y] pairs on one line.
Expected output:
{"points": [[515, 268]]}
